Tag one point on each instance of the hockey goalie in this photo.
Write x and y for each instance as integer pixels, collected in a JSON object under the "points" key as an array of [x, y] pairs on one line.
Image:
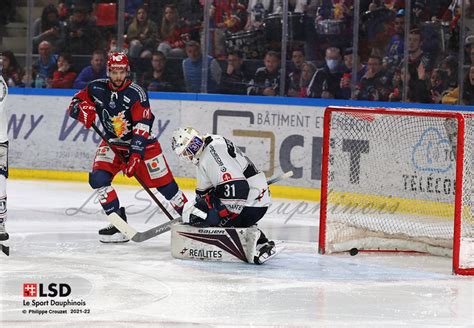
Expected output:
{"points": [[232, 195]]}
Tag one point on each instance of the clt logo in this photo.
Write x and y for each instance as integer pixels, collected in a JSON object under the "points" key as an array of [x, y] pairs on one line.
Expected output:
{"points": [[42, 290]]}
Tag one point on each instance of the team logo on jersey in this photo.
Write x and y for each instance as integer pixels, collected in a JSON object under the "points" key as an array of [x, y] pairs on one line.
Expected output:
{"points": [[226, 176], [147, 113], [120, 125], [113, 96]]}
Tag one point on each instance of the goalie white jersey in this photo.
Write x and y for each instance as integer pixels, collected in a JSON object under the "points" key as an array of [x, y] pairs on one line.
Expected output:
{"points": [[235, 179], [3, 113]]}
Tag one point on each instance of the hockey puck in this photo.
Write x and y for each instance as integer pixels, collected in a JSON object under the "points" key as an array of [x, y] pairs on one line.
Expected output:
{"points": [[354, 251]]}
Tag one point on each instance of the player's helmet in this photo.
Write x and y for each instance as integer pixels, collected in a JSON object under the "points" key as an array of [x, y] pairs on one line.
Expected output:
{"points": [[187, 143], [117, 60]]}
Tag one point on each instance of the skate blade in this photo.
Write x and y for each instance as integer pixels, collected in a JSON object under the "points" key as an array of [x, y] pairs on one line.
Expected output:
{"points": [[114, 239], [268, 254]]}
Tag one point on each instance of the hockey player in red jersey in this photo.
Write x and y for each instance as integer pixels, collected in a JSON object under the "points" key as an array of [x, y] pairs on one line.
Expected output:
{"points": [[124, 111], [231, 191]]}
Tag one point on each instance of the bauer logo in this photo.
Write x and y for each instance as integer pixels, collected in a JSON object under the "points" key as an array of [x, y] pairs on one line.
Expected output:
{"points": [[46, 290]]}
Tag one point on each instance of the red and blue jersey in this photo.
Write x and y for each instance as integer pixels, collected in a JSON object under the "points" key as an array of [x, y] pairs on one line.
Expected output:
{"points": [[124, 113]]}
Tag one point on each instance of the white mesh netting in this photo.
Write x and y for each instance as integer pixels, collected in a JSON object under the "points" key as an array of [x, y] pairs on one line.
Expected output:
{"points": [[392, 182]]}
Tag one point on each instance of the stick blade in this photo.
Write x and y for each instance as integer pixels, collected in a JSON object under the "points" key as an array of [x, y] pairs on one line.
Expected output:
{"points": [[120, 224]]}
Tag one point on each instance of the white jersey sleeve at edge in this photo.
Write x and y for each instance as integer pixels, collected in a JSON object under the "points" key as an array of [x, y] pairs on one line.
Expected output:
{"points": [[3, 112]]}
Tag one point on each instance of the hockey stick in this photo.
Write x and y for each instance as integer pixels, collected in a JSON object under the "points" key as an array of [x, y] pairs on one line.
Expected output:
{"points": [[138, 237], [123, 160]]}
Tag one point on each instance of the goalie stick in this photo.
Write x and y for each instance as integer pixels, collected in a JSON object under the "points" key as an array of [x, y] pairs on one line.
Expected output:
{"points": [[138, 237]]}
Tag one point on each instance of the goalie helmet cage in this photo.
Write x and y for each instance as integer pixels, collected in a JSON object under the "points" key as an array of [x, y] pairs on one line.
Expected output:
{"points": [[398, 180]]}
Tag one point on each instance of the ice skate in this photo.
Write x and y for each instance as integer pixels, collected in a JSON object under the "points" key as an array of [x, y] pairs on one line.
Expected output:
{"points": [[111, 234], [264, 252]]}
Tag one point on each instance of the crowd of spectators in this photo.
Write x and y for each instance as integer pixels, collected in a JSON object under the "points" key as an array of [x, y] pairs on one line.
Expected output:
{"points": [[164, 42]]}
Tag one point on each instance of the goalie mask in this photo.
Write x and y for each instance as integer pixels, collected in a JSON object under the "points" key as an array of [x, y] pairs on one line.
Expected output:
{"points": [[187, 143]]}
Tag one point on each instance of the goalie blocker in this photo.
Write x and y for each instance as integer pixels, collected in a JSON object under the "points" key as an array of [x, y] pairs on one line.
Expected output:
{"points": [[219, 244]]}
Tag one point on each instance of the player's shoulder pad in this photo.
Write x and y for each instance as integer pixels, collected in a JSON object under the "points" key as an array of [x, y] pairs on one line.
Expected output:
{"points": [[215, 141], [139, 91]]}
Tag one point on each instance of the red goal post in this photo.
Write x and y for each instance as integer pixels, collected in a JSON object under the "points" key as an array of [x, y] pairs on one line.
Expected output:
{"points": [[398, 180]]}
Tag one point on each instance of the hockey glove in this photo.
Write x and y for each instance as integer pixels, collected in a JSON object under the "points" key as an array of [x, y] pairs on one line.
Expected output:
{"points": [[132, 165], [86, 113], [194, 213]]}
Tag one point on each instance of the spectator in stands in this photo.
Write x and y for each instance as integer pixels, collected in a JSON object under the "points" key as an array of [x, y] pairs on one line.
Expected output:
{"points": [[294, 72], [96, 70], [395, 48], [257, 10], [12, 72], [7, 11], [234, 79], [374, 85], [325, 82], [266, 81], [64, 76], [231, 15], [417, 86], [192, 69], [450, 65], [438, 85], [396, 86], [142, 35], [82, 36], [45, 65], [307, 71], [48, 28], [345, 83], [416, 56], [452, 97], [131, 6], [174, 33], [160, 79]]}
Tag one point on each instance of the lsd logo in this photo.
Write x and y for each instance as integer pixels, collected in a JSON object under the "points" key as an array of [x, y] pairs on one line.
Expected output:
{"points": [[30, 290], [43, 290]]}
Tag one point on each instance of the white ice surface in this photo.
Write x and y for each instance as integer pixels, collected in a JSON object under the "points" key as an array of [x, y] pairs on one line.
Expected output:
{"points": [[140, 284]]}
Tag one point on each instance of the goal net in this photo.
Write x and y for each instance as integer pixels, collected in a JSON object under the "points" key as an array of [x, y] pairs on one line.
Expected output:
{"points": [[398, 180]]}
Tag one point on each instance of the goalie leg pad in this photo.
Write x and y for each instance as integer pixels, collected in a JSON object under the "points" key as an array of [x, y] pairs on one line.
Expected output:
{"points": [[214, 244]]}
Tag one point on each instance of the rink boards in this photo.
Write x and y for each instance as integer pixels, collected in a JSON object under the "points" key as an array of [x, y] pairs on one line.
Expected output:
{"points": [[46, 143]]}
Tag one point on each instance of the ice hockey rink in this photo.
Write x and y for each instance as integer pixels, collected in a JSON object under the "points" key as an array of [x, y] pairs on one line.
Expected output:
{"points": [[53, 227]]}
